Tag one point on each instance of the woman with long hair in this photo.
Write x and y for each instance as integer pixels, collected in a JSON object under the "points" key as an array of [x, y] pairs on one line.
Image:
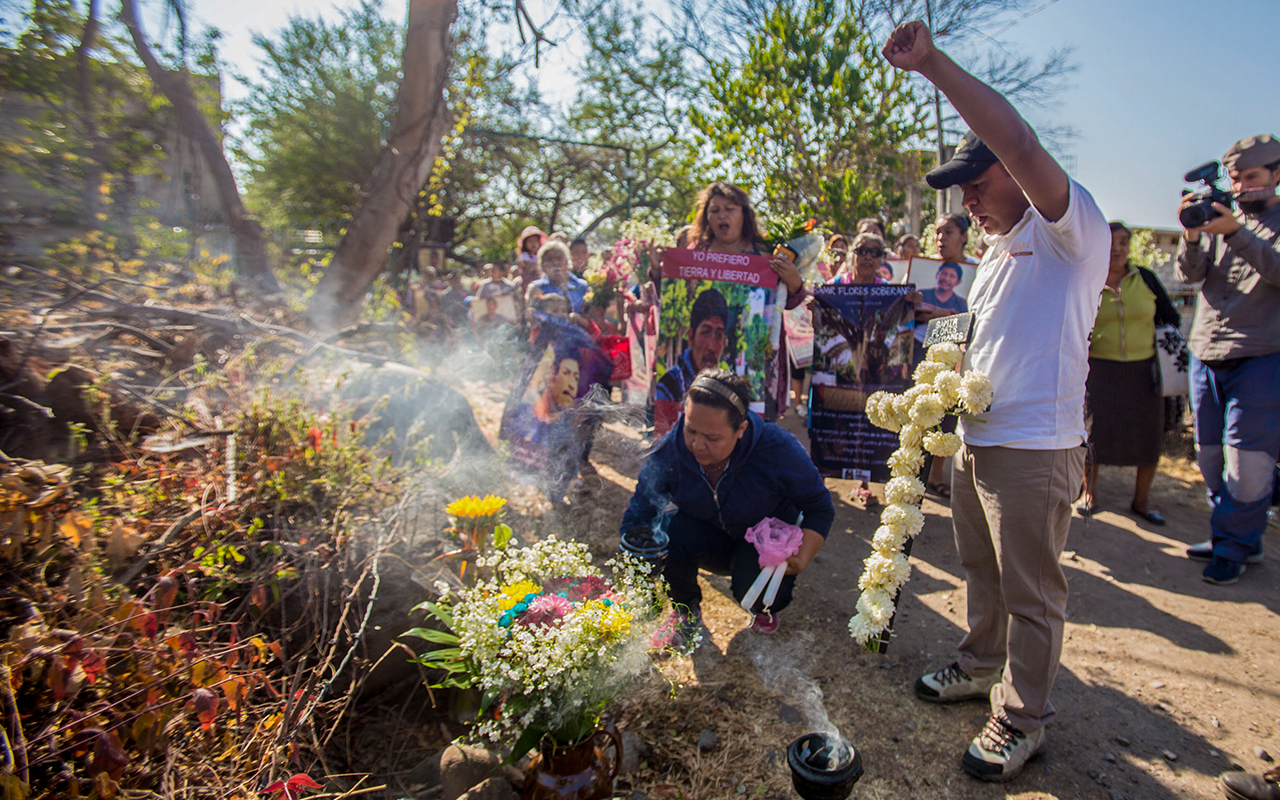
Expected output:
{"points": [[725, 222]]}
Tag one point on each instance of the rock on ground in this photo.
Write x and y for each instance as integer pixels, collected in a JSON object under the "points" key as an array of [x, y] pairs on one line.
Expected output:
{"points": [[464, 769]]}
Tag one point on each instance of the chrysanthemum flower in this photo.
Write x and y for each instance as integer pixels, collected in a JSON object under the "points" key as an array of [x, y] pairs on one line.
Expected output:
{"points": [[887, 572], [906, 490], [975, 392], [911, 436], [877, 605], [862, 629], [948, 353], [905, 461], [942, 444], [888, 540], [901, 515], [928, 371], [475, 507], [546, 609], [516, 592], [947, 386], [928, 411]]}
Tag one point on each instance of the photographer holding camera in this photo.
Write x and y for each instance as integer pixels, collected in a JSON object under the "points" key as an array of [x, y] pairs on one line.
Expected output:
{"points": [[1235, 347]]}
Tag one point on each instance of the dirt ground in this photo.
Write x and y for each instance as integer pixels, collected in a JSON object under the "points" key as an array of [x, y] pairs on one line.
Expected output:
{"points": [[1166, 681]]}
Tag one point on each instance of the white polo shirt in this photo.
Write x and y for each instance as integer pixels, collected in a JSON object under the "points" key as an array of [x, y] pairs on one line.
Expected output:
{"points": [[1035, 296]]}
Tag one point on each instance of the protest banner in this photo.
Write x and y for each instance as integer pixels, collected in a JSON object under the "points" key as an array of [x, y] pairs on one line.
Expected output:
{"points": [[717, 311], [547, 420], [862, 344]]}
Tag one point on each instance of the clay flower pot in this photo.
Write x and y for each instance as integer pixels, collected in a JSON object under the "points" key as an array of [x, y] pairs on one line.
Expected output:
{"points": [[573, 771]]}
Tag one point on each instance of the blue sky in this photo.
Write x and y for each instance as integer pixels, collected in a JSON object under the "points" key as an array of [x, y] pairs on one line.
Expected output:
{"points": [[1162, 86]]}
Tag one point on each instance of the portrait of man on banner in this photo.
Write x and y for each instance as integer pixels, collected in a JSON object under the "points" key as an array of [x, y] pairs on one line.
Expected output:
{"points": [[545, 418], [862, 344], [717, 311]]}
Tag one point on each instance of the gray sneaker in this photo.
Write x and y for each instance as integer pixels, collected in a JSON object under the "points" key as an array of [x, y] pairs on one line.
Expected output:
{"points": [[1203, 551], [953, 685], [1000, 752]]}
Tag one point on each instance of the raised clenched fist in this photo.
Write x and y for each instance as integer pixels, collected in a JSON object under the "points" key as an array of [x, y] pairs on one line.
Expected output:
{"points": [[909, 46]]}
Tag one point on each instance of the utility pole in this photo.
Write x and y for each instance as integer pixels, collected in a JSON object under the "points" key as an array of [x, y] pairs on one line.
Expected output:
{"points": [[941, 196]]}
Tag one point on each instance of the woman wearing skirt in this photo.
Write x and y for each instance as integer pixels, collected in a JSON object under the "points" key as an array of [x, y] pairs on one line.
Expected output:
{"points": [[1124, 409]]}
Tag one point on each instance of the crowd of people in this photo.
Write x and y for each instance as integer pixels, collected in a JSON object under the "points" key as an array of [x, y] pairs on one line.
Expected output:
{"points": [[1065, 330]]}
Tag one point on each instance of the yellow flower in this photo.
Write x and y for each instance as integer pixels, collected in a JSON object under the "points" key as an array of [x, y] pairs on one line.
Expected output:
{"points": [[474, 507], [517, 592], [613, 620]]}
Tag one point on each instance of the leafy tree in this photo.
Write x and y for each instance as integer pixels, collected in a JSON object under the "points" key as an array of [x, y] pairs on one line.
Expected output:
{"points": [[177, 87], [413, 143], [813, 117], [90, 120], [315, 118]]}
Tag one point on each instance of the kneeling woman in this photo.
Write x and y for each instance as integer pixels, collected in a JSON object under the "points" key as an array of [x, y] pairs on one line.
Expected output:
{"points": [[726, 469]]}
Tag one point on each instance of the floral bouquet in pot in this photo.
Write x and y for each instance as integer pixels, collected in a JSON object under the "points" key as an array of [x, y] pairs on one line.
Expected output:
{"points": [[545, 637]]}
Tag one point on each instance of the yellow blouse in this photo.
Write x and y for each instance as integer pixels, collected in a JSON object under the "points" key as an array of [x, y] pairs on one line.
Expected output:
{"points": [[1125, 329]]}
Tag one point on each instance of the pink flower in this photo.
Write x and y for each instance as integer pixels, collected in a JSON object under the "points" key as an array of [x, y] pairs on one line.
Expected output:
{"points": [[547, 609]]}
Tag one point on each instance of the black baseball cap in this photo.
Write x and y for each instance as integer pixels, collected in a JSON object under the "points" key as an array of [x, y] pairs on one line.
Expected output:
{"points": [[972, 158]]}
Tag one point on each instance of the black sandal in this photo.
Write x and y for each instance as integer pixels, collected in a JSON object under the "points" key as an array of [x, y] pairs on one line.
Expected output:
{"points": [[1150, 516], [941, 490]]}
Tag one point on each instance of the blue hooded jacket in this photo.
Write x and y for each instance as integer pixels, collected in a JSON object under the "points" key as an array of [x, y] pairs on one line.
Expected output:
{"points": [[769, 475]]}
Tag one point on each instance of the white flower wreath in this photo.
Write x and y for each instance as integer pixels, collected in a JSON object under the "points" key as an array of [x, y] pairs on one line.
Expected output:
{"points": [[915, 416]]}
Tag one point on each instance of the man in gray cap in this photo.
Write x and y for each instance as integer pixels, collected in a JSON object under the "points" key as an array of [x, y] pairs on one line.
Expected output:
{"points": [[1235, 366], [1035, 296]]}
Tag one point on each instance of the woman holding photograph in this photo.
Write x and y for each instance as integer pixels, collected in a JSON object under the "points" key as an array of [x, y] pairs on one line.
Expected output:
{"points": [[725, 222], [950, 234]]}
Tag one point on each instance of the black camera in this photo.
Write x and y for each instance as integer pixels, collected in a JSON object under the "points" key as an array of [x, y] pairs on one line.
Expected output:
{"points": [[1201, 211]]}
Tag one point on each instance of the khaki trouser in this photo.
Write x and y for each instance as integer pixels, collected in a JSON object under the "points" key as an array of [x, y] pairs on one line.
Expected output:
{"points": [[1011, 510]]}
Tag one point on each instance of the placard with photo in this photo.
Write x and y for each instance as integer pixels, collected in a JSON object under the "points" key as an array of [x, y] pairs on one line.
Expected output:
{"points": [[544, 421], [944, 285], [862, 344], [717, 311]]}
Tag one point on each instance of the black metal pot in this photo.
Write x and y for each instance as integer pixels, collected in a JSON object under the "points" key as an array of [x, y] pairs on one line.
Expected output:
{"points": [[647, 544], [823, 766]]}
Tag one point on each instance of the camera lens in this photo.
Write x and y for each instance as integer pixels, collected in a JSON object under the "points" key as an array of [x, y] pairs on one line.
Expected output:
{"points": [[1197, 214]]}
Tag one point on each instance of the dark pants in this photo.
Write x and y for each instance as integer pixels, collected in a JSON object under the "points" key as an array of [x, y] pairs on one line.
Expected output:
{"points": [[1237, 414], [696, 544]]}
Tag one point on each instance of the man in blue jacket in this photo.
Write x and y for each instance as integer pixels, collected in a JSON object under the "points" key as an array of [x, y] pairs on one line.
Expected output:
{"points": [[725, 469]]}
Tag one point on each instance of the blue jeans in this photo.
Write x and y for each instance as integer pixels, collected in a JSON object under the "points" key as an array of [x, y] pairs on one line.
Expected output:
{"points": [[1237, 416]]}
